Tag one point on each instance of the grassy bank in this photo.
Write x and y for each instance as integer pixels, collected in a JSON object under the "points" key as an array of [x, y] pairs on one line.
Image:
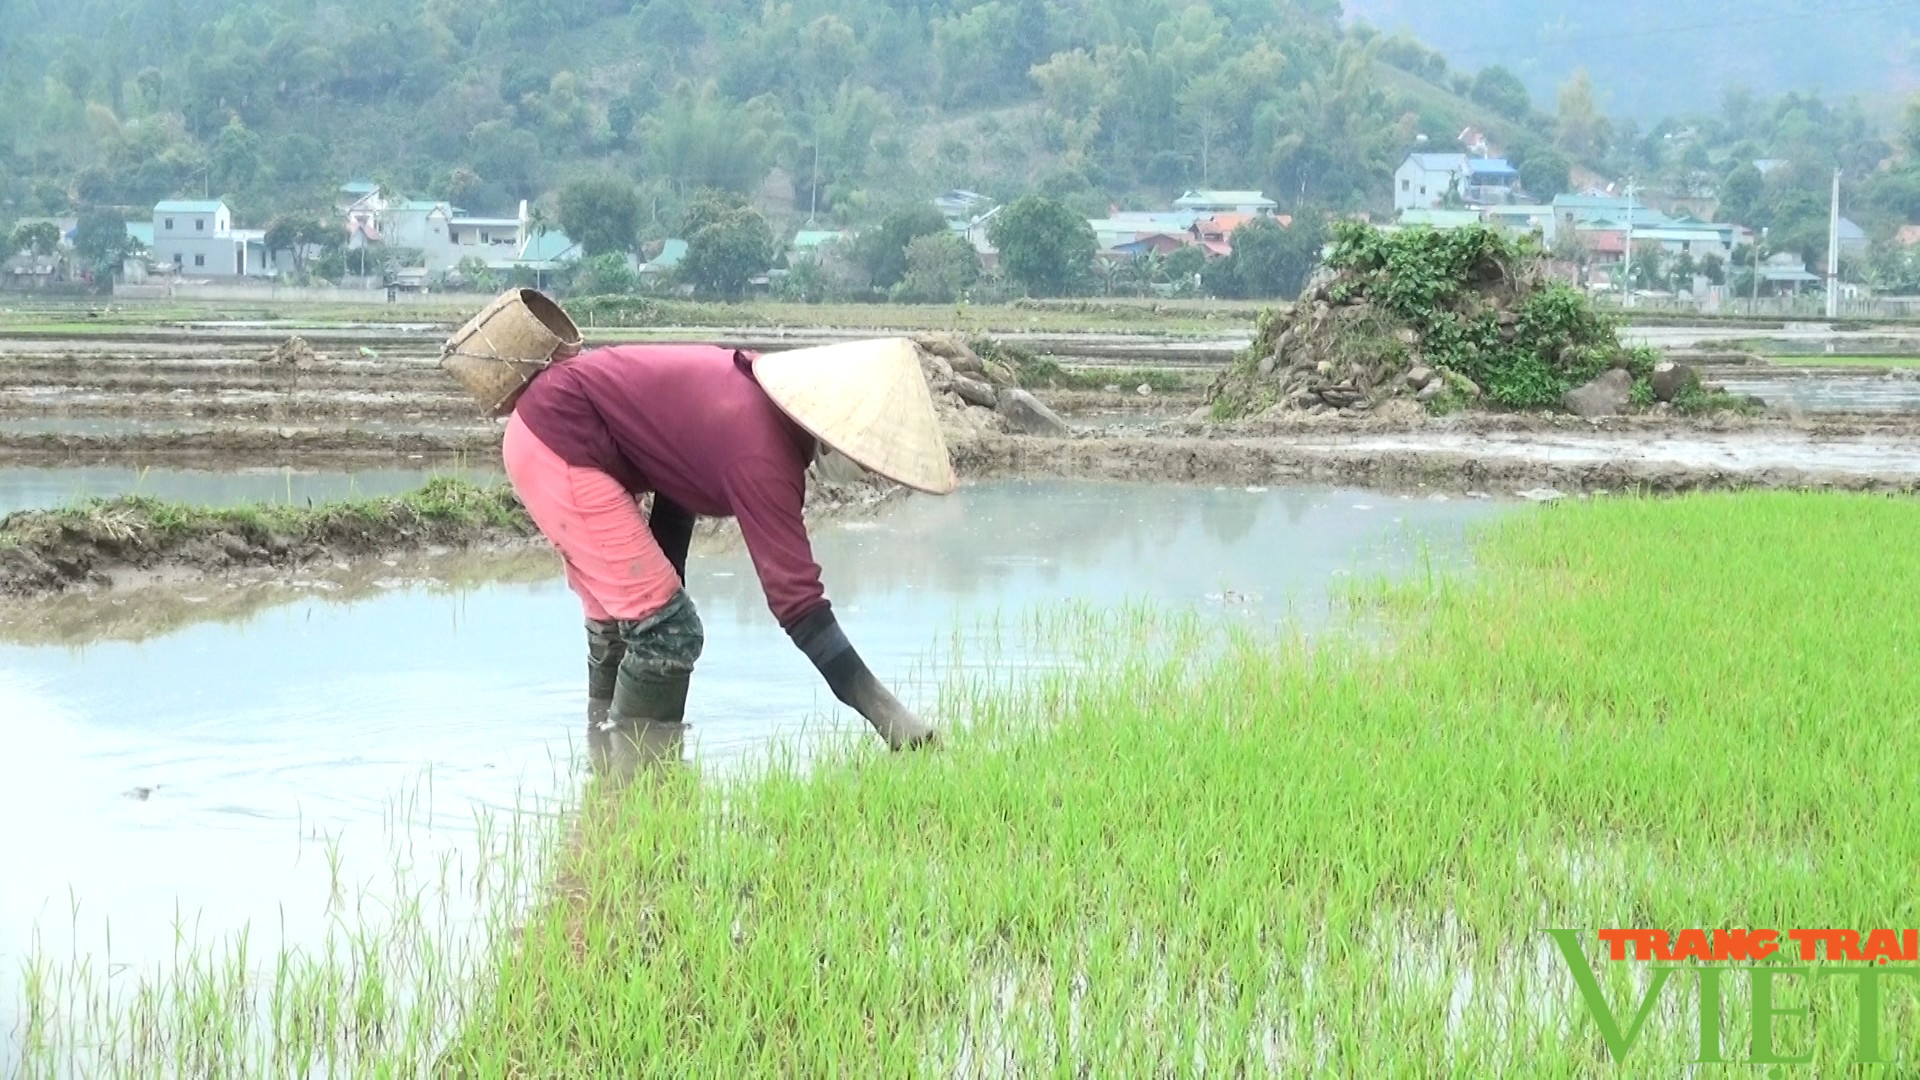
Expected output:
{"points": [[1640, 714], [45, 550]]}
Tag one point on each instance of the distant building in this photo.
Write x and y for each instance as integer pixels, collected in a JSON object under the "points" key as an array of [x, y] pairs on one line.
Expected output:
{"points": [[1853, 240], [1423, 180], [1208, 203], [809, 242], [1489, 181], [444, 234], [1908, 236], [1521, 218], [960, 207], [196, 238]]}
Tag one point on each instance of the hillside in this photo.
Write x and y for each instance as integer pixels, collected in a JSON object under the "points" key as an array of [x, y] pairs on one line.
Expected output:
{"points": [[1651, 59], [123, 102]]}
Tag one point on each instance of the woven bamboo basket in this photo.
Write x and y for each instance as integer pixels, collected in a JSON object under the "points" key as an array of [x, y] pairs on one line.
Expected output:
{"points": [[501, 349]]}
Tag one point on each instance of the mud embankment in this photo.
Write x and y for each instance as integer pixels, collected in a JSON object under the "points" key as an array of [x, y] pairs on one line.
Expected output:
{"points": [[133, 540]]}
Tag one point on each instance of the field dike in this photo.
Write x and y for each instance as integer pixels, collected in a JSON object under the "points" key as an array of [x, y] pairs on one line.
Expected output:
{"points": [[128, 540]]}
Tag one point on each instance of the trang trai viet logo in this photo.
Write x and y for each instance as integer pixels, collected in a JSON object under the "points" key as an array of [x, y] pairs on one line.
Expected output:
{"points": [[1763, 957]]}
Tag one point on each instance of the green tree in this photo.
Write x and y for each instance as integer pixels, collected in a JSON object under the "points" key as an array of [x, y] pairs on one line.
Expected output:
{"points": [[1183, 265], [236, 156], [1269, 260], [602, 275], [940, 267], [882, 251], [726, 250], [1741, 194], [602, 215], [1583, 131], [41, 238], [1502, 91], [303, 237], [1714, 269], [100, 237], [1546, 174], [299, 158], [1045, 247]]}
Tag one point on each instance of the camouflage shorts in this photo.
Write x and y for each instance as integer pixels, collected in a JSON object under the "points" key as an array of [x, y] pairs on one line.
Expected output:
{"points": [[665, 644]]}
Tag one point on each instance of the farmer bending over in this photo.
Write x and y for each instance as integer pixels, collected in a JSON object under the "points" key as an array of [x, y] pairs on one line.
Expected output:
{"points": [[710, 432]]}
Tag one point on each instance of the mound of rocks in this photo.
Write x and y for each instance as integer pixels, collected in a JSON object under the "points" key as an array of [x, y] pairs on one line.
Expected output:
{"points": [[293, 352], [975, 396]]}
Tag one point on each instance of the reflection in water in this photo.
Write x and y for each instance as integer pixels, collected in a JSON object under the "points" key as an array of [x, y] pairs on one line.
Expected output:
{"points": [[306, 719], [30, 489]]}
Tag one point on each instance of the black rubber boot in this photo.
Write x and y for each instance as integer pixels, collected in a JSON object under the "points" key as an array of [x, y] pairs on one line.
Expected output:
{"points": [[605, 650], [646, 720]]}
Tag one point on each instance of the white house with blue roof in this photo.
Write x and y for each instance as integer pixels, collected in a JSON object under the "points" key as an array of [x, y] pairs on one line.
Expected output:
{"points": [[1423, 181]]}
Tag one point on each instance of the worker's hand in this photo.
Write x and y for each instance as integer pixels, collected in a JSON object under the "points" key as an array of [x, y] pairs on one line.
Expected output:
{"points": [[895, 723], [820, 637]]}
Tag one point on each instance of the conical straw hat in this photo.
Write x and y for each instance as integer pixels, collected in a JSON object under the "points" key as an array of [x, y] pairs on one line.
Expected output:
{"points": [[868, 400], [501, 349]]}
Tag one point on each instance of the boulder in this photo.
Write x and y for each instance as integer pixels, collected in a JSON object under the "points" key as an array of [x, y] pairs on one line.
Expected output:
{"points": [[1418, 377], [1028, 416], [975, 392], [1607, 395], [1268, 363], [1144, 390], [1669, 379], [1430, 392]]}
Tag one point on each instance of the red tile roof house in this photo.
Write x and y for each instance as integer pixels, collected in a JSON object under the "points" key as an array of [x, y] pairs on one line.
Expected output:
{"points": [[1215, 233], [1908, 236]]}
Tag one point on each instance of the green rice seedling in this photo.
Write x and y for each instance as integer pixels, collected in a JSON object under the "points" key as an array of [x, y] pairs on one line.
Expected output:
{"points": [[1177, 848], [1267, 856]]}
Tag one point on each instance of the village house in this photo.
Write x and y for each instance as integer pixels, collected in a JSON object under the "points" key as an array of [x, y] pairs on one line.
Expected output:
{"points": [[1423, 181], [1519, 219], [1208, 203], [443, 234], [196, 238], [1908, 236]]}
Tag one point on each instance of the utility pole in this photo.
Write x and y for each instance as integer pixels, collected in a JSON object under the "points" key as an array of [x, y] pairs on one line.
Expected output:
{"points": [[1629, 270], [814, 206], [1753, 261], [1833, 251]]}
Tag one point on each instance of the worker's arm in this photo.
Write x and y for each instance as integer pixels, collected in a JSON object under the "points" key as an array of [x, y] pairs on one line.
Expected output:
{"points": [[767, 502], [672, 528], [820, 637]]}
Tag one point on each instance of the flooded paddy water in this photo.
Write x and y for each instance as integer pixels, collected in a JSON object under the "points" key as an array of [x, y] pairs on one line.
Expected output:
{"points": [[35, 489], [270, 769]]}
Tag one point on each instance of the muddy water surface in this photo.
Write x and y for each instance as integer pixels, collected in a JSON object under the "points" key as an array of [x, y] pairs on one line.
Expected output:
{"points": [[265, 771], [1827, 390], [34, 489]]}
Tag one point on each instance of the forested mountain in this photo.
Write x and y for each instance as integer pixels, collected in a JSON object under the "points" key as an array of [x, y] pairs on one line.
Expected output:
{"points": [[1655, 58], [841, 109], [486, 101]]}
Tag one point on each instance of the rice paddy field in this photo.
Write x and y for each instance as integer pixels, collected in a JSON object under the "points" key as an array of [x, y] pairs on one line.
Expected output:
{"points": [[1196, 850]]}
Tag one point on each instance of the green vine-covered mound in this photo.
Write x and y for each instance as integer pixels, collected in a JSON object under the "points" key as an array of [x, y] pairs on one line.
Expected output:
{"points": [[1448, 319]]}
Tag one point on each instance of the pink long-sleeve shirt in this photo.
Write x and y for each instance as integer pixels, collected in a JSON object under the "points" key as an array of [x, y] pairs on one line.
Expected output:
{"points": [[690, 423]]}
